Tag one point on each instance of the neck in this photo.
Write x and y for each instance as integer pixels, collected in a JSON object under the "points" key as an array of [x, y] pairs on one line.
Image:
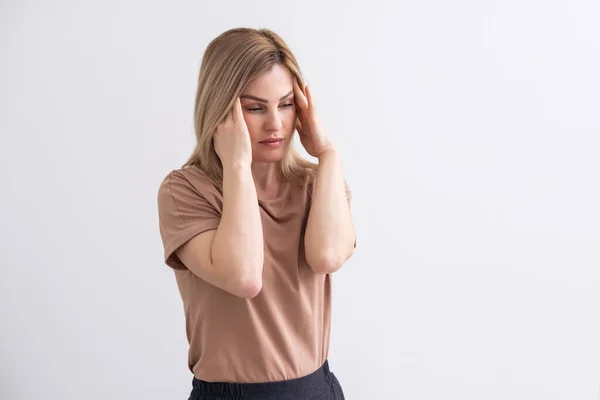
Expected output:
{"points": [[266, 175]]}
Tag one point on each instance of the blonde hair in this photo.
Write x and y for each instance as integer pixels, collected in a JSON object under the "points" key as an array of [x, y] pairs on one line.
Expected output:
{"points": [[230, 62]]}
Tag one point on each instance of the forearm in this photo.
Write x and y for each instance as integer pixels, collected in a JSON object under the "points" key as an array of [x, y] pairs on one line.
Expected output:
{"points": [[329, 237], [238, 245]]}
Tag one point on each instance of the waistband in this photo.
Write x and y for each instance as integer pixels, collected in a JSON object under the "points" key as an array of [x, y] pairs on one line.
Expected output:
{"points": [[313, 383]]}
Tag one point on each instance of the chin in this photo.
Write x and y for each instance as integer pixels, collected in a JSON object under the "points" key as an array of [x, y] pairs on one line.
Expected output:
{"points": [[265, 157]]}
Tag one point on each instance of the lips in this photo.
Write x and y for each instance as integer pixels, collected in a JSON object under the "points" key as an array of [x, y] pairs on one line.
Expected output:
{"points": [[271, 140]]}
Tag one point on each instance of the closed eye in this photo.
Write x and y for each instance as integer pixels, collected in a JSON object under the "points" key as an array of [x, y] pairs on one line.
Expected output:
{"points": [[260, 108]]}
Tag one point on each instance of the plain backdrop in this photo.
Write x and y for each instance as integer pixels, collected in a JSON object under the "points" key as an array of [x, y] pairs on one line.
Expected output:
{"points": [[470, 136]]}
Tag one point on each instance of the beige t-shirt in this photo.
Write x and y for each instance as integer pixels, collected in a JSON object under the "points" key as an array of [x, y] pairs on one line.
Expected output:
{"points": [[282, 333]]}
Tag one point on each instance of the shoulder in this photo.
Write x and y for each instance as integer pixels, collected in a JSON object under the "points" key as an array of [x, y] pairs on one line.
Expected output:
{"points": [[191, 174], [188, 185], [189, 177]]}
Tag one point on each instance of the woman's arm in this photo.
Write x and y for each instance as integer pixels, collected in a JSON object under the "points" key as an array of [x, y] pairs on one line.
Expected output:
{"points": [[238, 246], [234, 257], [330, 237], [231, 257]]}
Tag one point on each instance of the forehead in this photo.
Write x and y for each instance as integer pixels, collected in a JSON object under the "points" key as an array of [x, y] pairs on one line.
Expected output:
{"points": [[272, 84]]}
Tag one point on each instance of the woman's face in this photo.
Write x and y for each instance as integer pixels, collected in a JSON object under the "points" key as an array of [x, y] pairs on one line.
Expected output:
{"points": [[270, 113]]}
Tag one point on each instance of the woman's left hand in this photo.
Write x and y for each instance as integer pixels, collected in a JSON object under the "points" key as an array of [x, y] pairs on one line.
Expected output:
{"points": [[312, 135]]}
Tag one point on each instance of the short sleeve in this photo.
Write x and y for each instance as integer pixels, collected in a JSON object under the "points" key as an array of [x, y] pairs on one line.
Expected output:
{"points": [[186, 208]]}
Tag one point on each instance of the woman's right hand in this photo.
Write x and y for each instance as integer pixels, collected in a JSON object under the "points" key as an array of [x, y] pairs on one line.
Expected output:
{"points": [[232, 139]]}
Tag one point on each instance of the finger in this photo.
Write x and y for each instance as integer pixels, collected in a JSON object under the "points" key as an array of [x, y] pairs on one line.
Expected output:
{"points": [[233, 111], [299, 126], [237, 110], [310, 99], [299, 96]]}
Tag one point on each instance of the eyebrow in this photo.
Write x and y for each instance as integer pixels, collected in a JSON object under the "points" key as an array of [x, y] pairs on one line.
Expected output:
{"points": [[247, 96]]}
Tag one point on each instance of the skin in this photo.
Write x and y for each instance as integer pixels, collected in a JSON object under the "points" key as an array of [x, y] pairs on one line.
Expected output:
{"points": [[250, 172], [330, 237], [273, 117]]}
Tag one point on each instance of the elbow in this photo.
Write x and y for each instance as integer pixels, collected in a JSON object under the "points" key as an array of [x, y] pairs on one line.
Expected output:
{"points": [[245, 283], [244, 278], [249, 283], [249, 289], [327, 263]]}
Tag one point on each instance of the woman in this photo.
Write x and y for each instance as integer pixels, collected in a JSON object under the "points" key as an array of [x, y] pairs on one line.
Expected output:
{"points": [[253, 231]]}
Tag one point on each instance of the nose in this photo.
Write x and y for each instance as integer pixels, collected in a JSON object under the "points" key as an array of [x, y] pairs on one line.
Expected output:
{"points": [[273, 121]]}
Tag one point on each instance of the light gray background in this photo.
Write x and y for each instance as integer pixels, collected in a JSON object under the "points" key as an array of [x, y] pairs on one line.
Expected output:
{"points": [[469, 133]]}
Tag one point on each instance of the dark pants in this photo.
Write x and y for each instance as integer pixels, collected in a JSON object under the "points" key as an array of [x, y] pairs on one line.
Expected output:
{"points": [[320, 385]]}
